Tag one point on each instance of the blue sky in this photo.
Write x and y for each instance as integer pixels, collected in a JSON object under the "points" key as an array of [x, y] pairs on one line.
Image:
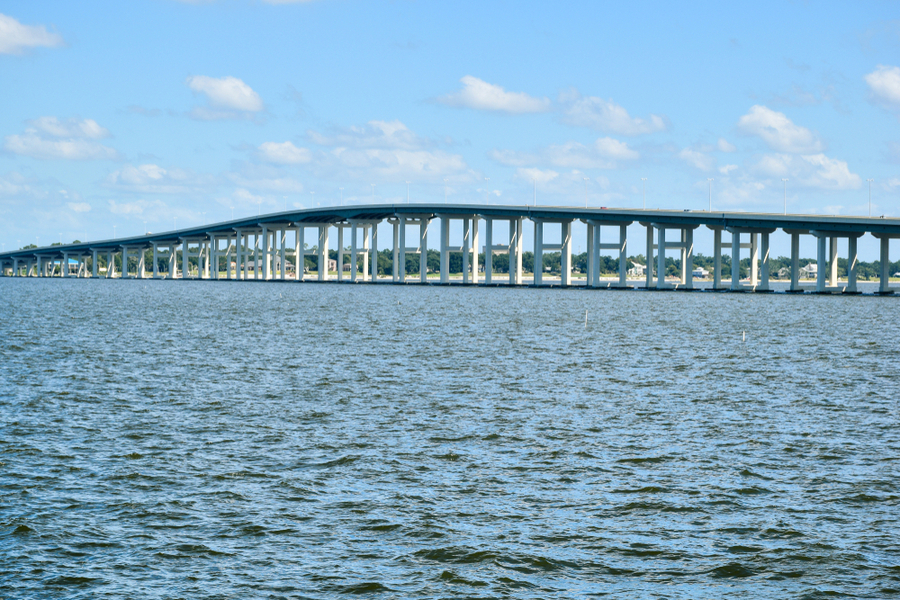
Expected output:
{"points": [[135, 114]]}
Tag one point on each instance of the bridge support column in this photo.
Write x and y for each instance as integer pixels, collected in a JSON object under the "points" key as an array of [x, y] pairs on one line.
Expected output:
{"points": [[353, 251], [239, 241], [266, 254], [884, 287], [401, 268], [687, 258], [185, 259], [623, 256], [155, 260], [141, 270], [64, 272], [717, 259], [735, 261], [465, 251], [488, 250], [94, 264], [754, 261], [323, 252], [565, 258], [594, 242], [340, 253], [832, 261], [648, 271], [423, 250], [125, 256], [660, 258], [213, 257], [445, 249], [299, 254], [821, 265], [473, 242], [852, 264], [515, 251], [373, 249], [589, 238], [538, 252], [795, 262], [764, 262], [395, 253]]}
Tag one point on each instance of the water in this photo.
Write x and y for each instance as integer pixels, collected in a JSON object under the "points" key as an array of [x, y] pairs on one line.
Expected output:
{"points": [[243, 440]]}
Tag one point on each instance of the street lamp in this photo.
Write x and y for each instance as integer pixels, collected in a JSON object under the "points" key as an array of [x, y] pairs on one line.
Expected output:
{"points": [[710, 180], [644, 188], [785, 195], [312, 202], [870, 195], [585, 191]]}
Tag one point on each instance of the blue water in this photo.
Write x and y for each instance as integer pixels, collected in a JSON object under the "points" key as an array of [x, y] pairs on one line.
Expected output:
{"points": [[176, 439]]}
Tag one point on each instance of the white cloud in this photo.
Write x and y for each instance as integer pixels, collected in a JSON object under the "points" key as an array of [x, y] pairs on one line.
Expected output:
{"points": [[374, 134], [606, 115], [482, 95], [138, 207], [540, 176], [779, 132], [79, 207], [602, 154], [284, 153], [812, 170], [225, 96], [697, 159], [884, 82], [726, 169], [15, 38], [724, 146], [33, 145], [70, 128], [153, 179]]}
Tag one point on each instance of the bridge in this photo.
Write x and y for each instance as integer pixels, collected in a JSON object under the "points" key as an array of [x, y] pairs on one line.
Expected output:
{"points": [[273, 246]]}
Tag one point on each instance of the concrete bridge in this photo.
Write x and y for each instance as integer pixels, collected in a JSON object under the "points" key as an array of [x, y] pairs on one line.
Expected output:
{"points": [[273, 246]]}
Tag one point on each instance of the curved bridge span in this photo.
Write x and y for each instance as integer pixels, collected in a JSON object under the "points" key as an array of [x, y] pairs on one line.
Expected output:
{"points": [[275, 246]]}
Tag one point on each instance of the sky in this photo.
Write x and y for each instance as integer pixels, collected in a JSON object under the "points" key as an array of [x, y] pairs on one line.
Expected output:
{"points": [[124, 117]]}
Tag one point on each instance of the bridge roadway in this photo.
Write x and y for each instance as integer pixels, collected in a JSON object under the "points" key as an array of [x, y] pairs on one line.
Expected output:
{"points": [[260, 248]]}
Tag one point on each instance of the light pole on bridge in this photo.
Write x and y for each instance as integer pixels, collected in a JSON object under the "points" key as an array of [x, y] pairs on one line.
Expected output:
{"points": [[785, 195]]}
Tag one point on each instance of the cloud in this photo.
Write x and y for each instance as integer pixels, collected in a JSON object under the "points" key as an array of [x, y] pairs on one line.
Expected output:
{"points": [[540, 176], [724, 146], [15, 38], [374, 134], [726, 169], [153, 179], [70, 128], [697, 159], [602, 154], [79, 207], [138, 207], [228, 97], [812, 170], [605, 115], [884, 84], [482, 95], [284, 153], [384, 150], [33, 145], [779, 132]]}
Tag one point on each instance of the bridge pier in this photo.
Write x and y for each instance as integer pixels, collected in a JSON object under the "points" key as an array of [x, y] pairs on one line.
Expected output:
{"points": [[884, 287], [564, 248]]}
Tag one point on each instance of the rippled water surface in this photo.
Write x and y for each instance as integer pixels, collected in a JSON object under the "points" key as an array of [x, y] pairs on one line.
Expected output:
{"points": [[260, 440]]}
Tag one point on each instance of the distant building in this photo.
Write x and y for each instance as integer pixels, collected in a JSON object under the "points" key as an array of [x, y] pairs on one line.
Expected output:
{"points": [[637, 270], [700, 272], [810, 271]]}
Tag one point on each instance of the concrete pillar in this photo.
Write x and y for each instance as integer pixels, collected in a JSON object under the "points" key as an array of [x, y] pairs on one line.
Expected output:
{"points": [[125, 254], [373, 248], [538, 252], [566, 255], [213, 265], [661, 258], [299, 254], [648, 271], [353, 250], [185, 259], [795, 262], [265, 253], [687, 264], [155, 260], [683, 256], [423, 247], [323, 253], [474, 244], [110, 265], [395, 255], [401, 259], [65, 265], [340, 254], [589, 238], [884, 288], [238, 256], [735, 261], [512, 251], [821, 265], [832, 261], [717, 259], [257, 263], [465, 250], [852, 264], [365, 265], [282, 234], [754, 260], [488, 249], [445, 249], [141, 267], [764, 266], [595, 256]]}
